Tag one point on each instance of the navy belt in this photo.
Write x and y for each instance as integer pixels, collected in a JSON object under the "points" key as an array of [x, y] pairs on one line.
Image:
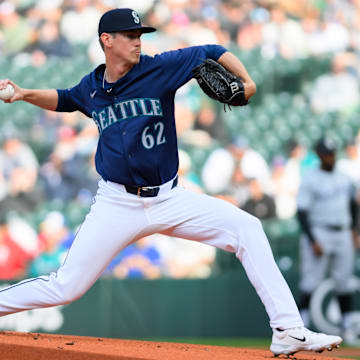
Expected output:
{"points": [[147, 191]]}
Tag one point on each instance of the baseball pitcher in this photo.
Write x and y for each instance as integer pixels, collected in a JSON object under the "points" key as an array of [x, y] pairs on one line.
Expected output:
{"points": [[131, 100]]}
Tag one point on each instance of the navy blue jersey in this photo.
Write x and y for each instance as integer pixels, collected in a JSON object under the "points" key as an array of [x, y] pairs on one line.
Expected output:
{"points": [[135, 115]]}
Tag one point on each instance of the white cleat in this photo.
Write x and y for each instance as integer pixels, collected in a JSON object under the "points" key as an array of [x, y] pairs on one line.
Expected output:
{"points": [[290, 341]]}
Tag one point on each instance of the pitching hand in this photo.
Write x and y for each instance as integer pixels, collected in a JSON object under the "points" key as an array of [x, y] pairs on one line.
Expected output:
{"points": [[318, 251], [18, 93], [356, 240]]}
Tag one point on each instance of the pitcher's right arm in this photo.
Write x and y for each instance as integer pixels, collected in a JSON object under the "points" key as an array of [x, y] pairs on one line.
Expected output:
{"points": [[46, 99]]}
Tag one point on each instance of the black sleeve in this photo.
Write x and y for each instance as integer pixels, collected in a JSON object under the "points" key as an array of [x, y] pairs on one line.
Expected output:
{"points": [[354, 210], [302, 216]]}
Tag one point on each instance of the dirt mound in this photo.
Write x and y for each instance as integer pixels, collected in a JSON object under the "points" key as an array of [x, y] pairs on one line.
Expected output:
{"points": [[34, 346]]}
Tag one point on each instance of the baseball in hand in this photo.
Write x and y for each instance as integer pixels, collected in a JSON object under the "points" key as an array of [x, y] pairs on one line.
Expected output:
{"points": [[7, 93]]}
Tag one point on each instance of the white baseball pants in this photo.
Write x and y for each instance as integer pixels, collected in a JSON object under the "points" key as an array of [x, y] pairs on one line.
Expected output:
{"points": [[338, 257], [118, 218]]}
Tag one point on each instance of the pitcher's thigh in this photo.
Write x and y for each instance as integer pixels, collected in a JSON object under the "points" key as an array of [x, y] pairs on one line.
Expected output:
{"points": [[105, 231], [208, 219]]}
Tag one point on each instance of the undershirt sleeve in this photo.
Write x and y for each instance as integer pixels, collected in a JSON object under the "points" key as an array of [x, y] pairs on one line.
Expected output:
{"points": [[302, 216]]}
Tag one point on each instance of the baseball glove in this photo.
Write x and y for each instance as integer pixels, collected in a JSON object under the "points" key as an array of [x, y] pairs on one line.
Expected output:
{"points": [[219, 83]]}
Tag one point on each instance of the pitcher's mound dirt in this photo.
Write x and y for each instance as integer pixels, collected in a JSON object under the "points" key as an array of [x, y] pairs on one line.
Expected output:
{"points": [[34, 346]]}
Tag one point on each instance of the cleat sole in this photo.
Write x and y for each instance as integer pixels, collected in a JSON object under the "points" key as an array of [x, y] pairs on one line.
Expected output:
{"points": [[289, 352]]}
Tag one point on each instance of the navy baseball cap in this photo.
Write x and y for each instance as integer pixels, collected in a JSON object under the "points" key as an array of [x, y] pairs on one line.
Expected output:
{"points": [[325, 146], [120, 20]]}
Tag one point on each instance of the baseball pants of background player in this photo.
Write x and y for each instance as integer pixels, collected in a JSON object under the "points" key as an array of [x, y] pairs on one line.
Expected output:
{"points": [[118, 218], [339, 252]]}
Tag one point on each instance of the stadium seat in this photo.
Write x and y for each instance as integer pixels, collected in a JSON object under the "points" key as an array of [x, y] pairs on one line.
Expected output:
{"points": [[284, 100]]}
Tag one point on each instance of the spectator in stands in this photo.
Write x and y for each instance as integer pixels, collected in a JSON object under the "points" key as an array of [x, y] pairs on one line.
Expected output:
{"points": [[50, 178], [81, 15], [334, 37], [13, 258], [52, 233], [3, 182], [188, 178], [350, 164], [15, 30], [250, 162], [20, 171], [187, 133], [259, 204], [208, 120], [20, 165], [237, 192], [219, 168], [181, 258], [45, 126], [51, 42], [138, 260], [283, 35], [347, 94], [217, 171], [18, 246], [250, 35], [286, 175], [70, 167], [233, 17]]}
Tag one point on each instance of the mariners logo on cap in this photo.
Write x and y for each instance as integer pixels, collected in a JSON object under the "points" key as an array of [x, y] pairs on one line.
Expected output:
{"points": [[121, 19], [136, 17]]}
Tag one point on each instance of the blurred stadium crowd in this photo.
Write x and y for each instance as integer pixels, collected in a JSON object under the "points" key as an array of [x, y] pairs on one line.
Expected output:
{"points": [[303, 55]]}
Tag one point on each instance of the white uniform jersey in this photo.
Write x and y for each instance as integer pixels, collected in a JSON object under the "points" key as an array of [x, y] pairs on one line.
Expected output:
{"points": [[326, 196]]}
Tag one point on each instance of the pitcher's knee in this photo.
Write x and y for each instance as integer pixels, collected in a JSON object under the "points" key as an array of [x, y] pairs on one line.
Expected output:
{"points": [[248, 221], [70, 296], [244, 227], [255, 223], [67, 291], [252, 233]]}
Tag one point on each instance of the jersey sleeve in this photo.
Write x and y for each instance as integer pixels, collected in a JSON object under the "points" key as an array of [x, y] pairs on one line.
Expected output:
{"points": [[178, 64], [73, 99]]}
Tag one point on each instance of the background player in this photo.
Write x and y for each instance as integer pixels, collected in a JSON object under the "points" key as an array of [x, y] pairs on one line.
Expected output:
{"points": [[131, 99], [327, 211]]}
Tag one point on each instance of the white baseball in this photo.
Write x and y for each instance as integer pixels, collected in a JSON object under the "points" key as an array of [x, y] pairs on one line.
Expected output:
{"points": [[7, 93]]}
